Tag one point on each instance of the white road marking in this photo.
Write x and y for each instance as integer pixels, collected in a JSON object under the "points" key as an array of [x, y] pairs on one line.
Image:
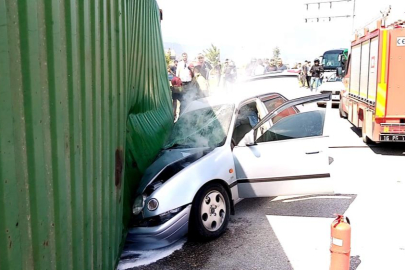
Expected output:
{"points": [[305, 240], [318, 197]]}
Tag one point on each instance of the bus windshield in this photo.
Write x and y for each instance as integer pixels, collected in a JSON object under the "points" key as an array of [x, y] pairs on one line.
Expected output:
{"points": [[331, 60]]}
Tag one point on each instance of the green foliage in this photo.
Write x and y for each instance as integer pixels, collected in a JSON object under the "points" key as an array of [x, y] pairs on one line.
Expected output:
{"points": [[276, 53], [167, 57], [212, 54]]}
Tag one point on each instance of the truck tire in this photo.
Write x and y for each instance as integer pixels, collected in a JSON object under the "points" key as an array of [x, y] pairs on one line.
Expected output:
{"points": [[342, 113]]}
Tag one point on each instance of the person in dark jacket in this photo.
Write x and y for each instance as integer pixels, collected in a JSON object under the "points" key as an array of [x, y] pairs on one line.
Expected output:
{"points": [[305, 83], [316, 71]]}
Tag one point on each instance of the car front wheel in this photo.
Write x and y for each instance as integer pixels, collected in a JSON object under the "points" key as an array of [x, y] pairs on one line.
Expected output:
{"points": [[210, 212]]}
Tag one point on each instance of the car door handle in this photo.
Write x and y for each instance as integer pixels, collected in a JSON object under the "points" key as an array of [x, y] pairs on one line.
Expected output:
{"points": [[311, 153]]}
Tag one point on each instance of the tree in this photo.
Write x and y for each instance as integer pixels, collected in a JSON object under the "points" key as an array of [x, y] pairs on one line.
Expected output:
{"points": [[168, 54], [276, 53], [212, 54]]}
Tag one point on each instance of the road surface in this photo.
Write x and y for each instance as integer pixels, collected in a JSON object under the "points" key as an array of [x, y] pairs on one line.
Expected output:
{"points": [[294, 232]]}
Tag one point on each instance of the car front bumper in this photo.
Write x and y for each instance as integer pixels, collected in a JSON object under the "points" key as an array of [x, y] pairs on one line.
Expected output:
{"points": [[144, 238]]}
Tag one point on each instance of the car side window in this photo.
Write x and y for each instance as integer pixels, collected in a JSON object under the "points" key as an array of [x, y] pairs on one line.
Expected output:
{"points": [[272, 104], [306, 124], [247, 118]]}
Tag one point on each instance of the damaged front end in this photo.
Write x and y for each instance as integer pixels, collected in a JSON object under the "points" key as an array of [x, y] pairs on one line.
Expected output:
{"points": [[153, 231]]}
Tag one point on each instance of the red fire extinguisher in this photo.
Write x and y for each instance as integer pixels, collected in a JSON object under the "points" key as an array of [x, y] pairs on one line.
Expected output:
{"points": [[340, 243]]}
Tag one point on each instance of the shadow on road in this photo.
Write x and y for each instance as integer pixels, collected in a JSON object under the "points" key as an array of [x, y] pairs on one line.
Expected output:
{"points": [[356, 130], [389, 149], [354, 262]]}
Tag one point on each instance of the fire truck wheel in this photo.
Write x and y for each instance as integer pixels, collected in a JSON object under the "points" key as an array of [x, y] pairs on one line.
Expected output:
{"points": [[342, 113]]}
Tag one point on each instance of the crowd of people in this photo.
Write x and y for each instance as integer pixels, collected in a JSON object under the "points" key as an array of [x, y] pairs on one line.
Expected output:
{"points": [[310, 76], [191, 80], [259, 67], [194, 79]]}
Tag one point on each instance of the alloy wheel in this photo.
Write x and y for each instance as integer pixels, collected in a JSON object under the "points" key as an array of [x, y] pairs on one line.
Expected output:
{"points": [[213, 210]]}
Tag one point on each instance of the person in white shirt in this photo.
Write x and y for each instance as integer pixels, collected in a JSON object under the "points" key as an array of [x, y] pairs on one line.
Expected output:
{"points": [[183, 72], [259, 70]]}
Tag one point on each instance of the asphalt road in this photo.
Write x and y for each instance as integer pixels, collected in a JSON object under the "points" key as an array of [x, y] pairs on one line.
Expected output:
{"points": [[293, 232]]}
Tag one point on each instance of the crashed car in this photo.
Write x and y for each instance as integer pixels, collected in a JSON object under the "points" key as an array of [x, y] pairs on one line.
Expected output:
{"points": [[221, 151]]}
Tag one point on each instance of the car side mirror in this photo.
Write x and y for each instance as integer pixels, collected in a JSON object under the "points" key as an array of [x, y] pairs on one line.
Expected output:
{"points": [[249, 138], [340, 57]]}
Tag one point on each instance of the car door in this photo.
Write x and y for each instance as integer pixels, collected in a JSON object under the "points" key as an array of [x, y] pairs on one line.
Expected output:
{"points": [[286, 158]]}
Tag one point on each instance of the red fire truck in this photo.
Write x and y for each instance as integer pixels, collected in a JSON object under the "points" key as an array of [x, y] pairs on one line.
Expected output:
{"points": [[374, 95]]}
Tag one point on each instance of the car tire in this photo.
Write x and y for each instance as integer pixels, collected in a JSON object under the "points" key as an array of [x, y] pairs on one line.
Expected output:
{"points": [[210, 211], [342, 113]]}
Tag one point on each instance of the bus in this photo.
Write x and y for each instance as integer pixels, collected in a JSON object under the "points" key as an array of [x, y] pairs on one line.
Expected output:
{"points": [[334, 60]]}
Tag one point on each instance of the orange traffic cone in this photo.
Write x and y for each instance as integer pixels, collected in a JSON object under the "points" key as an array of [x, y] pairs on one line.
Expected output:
{"points": [[340, 244]]}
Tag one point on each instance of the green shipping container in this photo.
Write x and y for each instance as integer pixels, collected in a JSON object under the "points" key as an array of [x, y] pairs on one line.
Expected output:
{"points": [[84, 108]]}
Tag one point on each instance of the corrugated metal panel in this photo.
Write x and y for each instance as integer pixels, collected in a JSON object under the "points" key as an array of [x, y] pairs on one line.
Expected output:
{"points": [[77, 80]]}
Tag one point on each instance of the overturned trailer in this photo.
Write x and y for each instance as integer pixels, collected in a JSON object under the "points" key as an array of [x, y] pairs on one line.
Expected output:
{"points": [[84, 109]]}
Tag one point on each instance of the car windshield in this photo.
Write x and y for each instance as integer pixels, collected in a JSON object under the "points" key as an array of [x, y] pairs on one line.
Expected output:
{"points": [[207, 127]]}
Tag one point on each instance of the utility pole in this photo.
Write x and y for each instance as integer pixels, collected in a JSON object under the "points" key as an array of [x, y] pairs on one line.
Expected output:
{"points": [[354, 14]]}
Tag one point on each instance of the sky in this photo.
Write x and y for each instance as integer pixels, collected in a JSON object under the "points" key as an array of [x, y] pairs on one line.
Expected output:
{"points": [[252, 28]]}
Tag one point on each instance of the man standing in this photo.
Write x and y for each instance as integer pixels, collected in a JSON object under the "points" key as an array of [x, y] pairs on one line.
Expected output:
{"points": [[177, 96], [316, 71], [250, 69], [271, 67], [174, 68], [308, 74], [280, 65], [259, 70], [183, 71], [229, 74], [304, 74], [171, 70], [201, 73]]}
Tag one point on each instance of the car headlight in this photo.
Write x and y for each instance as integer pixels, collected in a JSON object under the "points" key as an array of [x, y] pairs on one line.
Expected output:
{"points": [[138, 204], [153, 204]]}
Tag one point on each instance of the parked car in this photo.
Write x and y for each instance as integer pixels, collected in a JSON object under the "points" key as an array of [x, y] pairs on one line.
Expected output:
{"points": [[221, 151]]}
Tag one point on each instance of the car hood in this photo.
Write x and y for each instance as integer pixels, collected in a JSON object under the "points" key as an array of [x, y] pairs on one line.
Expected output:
{"points": [[169, 163]]}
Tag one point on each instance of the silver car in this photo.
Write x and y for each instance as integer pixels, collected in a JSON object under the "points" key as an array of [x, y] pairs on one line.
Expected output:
{"points": [[221, 151]]}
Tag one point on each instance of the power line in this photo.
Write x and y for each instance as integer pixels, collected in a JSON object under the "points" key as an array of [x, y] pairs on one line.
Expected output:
{"points": [[327, 17], [326, 2], [332, 17]]}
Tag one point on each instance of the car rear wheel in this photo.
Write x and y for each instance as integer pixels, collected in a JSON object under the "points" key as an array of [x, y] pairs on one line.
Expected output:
{"points": [[210, 212]]}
